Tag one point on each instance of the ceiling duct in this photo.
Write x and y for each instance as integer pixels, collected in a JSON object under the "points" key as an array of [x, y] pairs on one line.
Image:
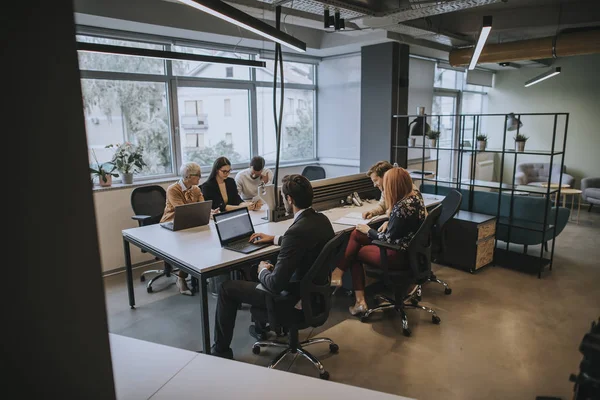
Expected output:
{"points": [[562, 45], [415, 9]]}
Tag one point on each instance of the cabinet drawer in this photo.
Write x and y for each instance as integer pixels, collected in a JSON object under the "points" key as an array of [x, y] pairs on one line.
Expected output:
{"points": [[486, 230], [485, 252]]}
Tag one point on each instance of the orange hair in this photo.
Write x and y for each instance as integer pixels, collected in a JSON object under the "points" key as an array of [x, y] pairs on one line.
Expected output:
{"points": [[397, 184]]}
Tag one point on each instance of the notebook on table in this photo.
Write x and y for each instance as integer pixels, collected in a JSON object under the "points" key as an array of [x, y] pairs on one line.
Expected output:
{"points": [[189, 216], [234, 229]]}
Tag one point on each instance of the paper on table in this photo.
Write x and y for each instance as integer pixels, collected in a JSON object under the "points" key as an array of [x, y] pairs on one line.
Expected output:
{"points": [[355, 218]]}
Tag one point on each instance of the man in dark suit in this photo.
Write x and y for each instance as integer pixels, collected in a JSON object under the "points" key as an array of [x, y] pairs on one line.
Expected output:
{"points": [[300, 246]]}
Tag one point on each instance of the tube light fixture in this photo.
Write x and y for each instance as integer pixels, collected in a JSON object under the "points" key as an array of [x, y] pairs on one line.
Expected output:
{"points": [[161, 54], [483, 35], [543, 77], [237, 17]]}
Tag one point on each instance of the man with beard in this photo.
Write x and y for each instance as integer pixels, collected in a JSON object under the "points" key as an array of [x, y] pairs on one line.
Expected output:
{"points": [[300, 246], [251, 178]]}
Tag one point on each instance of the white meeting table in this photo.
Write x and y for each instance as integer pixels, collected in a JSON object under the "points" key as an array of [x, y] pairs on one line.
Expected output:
{"points": [[198, 251]]}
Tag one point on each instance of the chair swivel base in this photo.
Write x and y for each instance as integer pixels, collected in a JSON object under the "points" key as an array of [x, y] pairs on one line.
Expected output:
{"points": [[333, 348], [433, 278], [387, 303], [159, 274]]}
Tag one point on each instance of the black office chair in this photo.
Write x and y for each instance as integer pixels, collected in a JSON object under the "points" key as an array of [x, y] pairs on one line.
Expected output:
{"points": [[400, 281], [315, 291], [313, 172], [450, 206], [148, 204]]}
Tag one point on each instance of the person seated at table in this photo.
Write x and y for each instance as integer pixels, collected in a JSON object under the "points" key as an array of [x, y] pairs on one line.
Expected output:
{"points": [[184, 191], [251, 178], [221, 189], [300, 246], [407, 212], [376, 173]]}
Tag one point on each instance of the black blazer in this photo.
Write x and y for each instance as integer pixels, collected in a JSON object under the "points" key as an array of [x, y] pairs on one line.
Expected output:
{"points": [[300, 246], [210, 190]]}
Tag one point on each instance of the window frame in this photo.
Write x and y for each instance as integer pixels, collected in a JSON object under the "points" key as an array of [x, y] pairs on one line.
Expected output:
{"points": [[172, 81]]}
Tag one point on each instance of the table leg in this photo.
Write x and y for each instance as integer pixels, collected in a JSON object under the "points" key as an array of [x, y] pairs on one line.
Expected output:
{"points": [[578, 208], [129, 273], [564, 200], [204, 315], [572, 217]]}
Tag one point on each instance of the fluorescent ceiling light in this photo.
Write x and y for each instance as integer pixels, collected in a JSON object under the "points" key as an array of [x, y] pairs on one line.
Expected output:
{"points": [[543, 77], [237, 17], [161, 54], [483, 35]]}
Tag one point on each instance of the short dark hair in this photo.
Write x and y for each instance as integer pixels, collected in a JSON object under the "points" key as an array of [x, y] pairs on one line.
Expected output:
{"points": [[299, 189], [379, 169], [257, 163]]}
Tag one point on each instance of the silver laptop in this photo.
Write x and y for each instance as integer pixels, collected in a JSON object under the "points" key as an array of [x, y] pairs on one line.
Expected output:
{"points": [[189, 216], [234, 229]]}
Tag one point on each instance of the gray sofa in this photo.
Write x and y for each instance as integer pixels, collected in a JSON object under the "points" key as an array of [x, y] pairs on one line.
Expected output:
{"points": [[537, 173], [590, 191]]}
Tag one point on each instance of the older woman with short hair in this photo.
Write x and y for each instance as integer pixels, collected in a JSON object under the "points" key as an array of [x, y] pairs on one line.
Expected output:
{"points": [[407, 212], [184, 191]]}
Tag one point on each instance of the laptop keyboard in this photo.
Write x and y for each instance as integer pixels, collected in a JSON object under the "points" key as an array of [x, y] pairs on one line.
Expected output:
{"points": [[241, 244]]}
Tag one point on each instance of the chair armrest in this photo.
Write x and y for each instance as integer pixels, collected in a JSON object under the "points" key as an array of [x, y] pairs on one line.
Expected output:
{"points": [[590, 183], [140, 218], [381, 243], [284, 295], [144, 220], [568, 179]]}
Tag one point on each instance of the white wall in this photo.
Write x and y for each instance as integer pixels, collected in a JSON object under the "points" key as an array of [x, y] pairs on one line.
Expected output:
{"points": [[420, 94], [576, 91], [339, 108]]}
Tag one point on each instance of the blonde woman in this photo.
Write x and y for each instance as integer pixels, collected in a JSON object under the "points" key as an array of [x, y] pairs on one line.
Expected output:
{"points": [[407, 212]]}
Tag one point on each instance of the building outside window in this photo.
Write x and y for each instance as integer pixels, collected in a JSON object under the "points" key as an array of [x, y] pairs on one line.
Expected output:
{"points": [[136, 99]]}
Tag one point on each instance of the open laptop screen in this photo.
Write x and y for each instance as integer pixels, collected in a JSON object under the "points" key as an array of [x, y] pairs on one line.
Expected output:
{"points": [[233, 224]]}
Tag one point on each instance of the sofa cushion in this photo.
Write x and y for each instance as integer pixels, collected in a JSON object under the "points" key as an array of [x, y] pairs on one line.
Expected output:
{"points": [[592, 195]]}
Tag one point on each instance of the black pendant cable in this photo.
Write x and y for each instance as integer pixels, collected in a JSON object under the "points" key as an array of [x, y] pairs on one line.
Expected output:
{"points": [[278, 118]]}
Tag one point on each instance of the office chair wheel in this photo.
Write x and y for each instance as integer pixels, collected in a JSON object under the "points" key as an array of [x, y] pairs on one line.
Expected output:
{"points": [[448, 291], [334, 348], [406, 332], [142, 278], [256, 349], [149, 289], [435, 319], [324, 375]]}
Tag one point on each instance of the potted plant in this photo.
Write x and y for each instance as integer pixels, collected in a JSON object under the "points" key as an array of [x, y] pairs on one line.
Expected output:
{"points": [[481, 141], [128, 159], [104, 171], [520, 140], [433, 137]]}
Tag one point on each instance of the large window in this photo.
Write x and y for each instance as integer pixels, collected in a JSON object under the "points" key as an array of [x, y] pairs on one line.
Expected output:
{"points": [[183, 111]]}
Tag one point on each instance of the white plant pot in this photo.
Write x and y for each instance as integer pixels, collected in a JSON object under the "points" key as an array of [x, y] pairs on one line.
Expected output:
{"points": [[432, 142], [481, 145], [412, 142], [127, 178], [520, 146]]}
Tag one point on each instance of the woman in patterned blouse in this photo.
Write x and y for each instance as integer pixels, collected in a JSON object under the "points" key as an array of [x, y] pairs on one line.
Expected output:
{"points": [[405, 218]]}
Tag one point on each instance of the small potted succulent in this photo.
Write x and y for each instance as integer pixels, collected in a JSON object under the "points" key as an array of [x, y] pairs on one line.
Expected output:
{"points": [[433, 137], [520, 140], [481, 141], [104, 171]]}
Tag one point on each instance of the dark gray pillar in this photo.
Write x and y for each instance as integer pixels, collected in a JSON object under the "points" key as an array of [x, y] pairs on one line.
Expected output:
{"points": [[384, 93], [57, 345]]}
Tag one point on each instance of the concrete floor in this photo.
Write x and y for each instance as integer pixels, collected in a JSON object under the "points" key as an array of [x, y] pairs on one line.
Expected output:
{"points": [[504, 334]]}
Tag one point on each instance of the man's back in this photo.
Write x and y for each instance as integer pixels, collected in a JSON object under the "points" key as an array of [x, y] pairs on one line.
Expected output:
{"points": [[300, 247]]}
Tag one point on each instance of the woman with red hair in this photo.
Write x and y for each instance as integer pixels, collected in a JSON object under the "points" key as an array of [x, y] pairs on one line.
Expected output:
{"points": [[406, 214]]}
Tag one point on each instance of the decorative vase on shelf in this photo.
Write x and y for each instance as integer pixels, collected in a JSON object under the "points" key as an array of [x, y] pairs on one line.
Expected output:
{"points": [[105, 181], [412, 142], [127, 177], [481, 145], [520, 145]]}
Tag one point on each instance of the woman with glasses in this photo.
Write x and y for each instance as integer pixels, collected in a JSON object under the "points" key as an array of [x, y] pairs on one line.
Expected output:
{"points": [[222, 189], [184, 191]]}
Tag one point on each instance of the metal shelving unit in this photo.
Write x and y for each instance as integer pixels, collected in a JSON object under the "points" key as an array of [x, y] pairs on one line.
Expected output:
{"points": [[547, 228]]}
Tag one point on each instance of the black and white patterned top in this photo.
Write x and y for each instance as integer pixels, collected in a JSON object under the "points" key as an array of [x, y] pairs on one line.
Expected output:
{"points": [[405, 220]]}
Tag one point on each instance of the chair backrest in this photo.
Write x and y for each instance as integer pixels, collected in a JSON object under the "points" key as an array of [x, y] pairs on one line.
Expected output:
{"points": [[149, 200], [313, 172], [419, 248], [450, 206], [315, 289]]}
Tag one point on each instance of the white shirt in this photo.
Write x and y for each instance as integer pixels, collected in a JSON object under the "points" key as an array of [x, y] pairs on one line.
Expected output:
{"points": [[248, 187]]}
